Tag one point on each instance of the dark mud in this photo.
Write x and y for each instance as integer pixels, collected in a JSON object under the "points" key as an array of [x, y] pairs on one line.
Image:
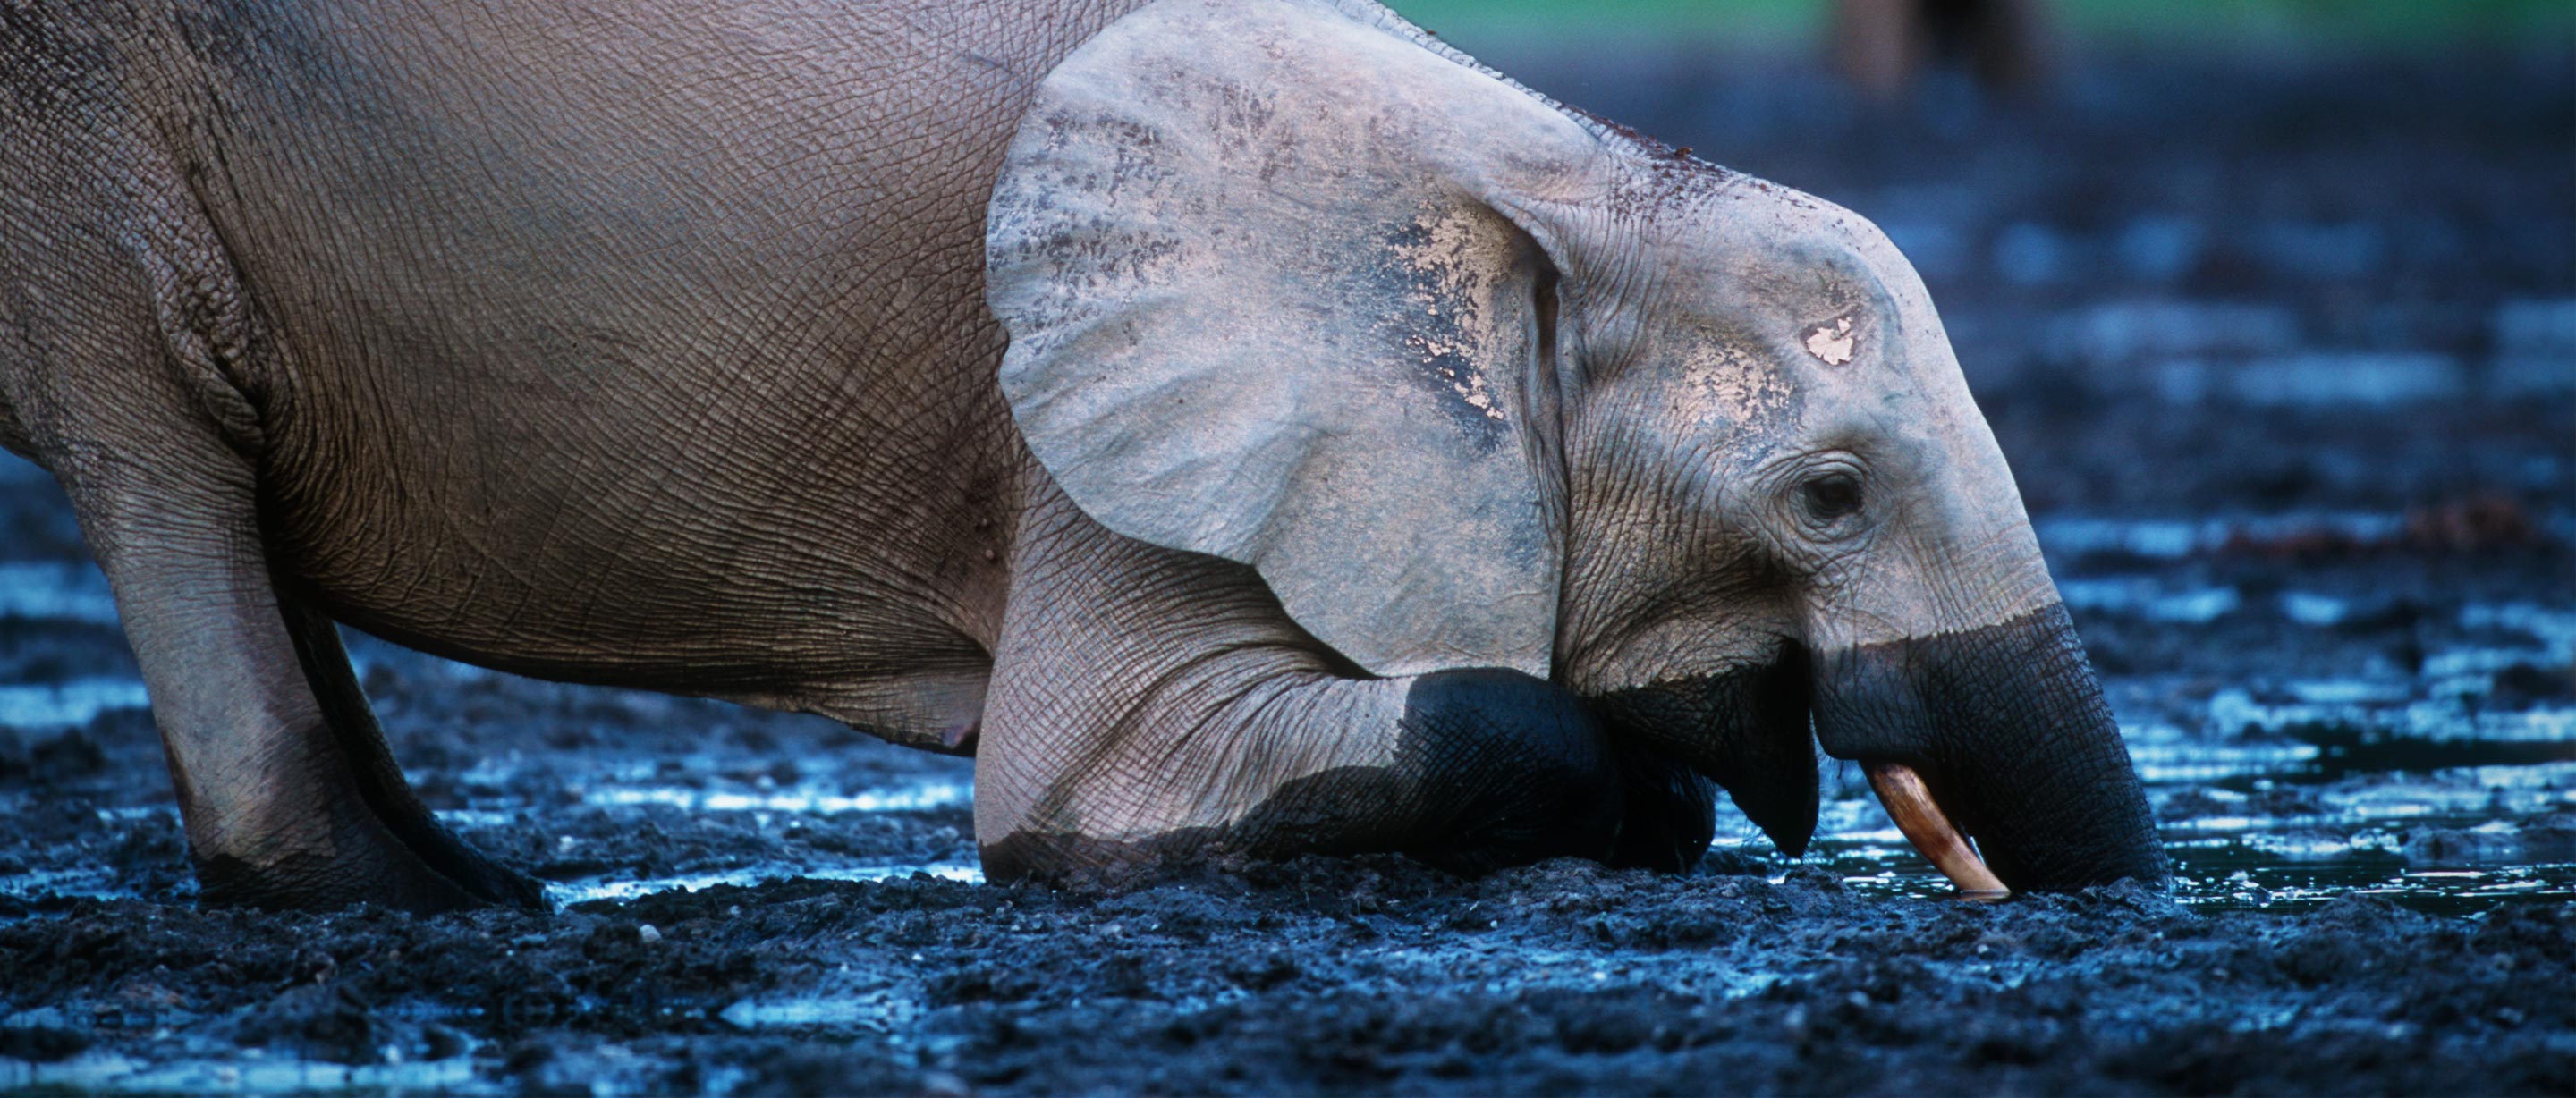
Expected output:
{"points": [[1339, 976], [2285, 359]]}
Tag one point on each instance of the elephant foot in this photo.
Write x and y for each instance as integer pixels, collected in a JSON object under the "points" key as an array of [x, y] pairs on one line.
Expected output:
{"points": [[409, 862]]}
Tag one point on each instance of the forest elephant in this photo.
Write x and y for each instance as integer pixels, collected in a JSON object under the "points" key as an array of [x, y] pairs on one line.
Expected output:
{"points": [[1248, 427]]}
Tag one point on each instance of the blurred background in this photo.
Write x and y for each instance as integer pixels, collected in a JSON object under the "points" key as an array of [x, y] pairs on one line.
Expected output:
{"points": [[2272, 305], [1495, 28]]}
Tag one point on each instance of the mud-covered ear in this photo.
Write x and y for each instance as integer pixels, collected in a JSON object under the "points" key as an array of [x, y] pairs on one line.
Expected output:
{"points": [[1268, 300]]}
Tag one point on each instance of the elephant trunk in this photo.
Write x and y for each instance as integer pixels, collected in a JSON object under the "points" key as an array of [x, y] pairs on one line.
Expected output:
{"points": [[2000, 733], [1745, 729]]}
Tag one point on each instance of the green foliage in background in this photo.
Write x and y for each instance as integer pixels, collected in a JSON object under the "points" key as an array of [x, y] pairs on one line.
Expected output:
{"points": [[2239, 24]]}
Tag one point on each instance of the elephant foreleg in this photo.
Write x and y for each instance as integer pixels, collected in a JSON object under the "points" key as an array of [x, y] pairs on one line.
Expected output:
{"points": [[1150, 704]]}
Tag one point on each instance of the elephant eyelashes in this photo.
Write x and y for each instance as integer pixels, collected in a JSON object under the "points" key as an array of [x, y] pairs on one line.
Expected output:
{"points": [[1829, 498]]}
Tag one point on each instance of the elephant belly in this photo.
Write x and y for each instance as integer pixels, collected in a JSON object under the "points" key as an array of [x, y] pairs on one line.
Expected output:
{"points": [[665, 522], [683, 382], [799, 554]]}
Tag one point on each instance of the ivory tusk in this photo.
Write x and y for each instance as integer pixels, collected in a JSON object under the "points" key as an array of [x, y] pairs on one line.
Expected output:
{"points": [[1909, 802]]}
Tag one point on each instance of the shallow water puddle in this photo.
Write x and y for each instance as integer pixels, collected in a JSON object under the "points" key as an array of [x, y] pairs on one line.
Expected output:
{"points": [[2139, 596], [56, 591], [882, 1011], [2454, 842], [100, 882], [2453, 731], [93, 882], [584, 892], [78, 701], [2258, 882], [802, 798], [2282, 873], [249, 1072], [2287, 796], [2179, 760], [2066, 537], [2173, 539]]}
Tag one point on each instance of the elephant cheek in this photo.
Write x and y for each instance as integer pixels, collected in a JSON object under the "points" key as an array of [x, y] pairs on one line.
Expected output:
{"points": [[1746, 729], [2010, 739]]}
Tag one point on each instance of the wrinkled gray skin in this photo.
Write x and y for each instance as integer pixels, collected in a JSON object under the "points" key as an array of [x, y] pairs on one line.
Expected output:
{"points": [[1384, 457]]}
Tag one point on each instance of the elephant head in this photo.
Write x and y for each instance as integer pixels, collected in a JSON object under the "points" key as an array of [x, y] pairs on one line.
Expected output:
{"points": [[1476, 381]]}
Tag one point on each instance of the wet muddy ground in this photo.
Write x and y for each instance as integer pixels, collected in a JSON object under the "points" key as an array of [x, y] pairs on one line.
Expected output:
{"points": [[2285, 358]]}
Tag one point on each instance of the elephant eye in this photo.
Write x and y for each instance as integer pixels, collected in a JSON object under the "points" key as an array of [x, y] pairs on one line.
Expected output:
{"points": [[1833, 496]]}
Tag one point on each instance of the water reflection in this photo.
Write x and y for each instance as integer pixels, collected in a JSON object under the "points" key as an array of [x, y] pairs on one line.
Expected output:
{"points": [[2436, 788], [250, 1071], [55, 591], [803, 798], [78, 701], [880, 1010], [586, 891]]}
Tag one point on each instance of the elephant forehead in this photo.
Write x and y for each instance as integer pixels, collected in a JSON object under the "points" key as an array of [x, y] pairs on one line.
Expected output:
{"points": [[1824, 274], [1834, 344]]}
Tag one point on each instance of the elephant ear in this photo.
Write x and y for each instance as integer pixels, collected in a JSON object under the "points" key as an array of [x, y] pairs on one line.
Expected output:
{"points": [[1268, 299]]}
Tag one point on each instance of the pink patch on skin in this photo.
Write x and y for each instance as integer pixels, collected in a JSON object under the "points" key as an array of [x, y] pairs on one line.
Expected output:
{"points": [[1833, 345]]}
